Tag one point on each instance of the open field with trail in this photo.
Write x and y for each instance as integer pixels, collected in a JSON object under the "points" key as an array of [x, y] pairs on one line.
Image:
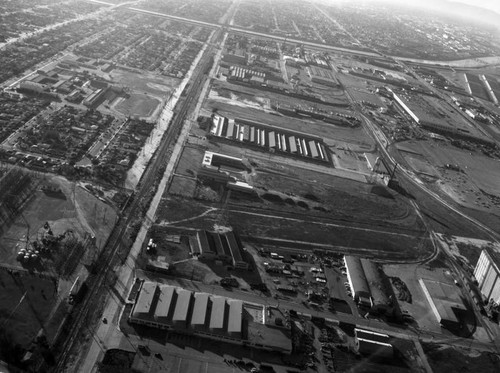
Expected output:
{"points": [[145, 82], [470, 186], [302, 230]]}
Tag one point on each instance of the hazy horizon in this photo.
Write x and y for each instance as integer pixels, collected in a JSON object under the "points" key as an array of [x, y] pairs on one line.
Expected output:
{"points": [[485, 4]]}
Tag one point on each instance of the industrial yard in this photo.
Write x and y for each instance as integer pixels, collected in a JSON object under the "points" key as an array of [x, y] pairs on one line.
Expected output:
{"points": [[236, 185]]}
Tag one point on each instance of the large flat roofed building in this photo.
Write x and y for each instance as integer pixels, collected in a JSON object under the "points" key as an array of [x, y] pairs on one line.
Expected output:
{"points": [[433, 114], [182, 306], [235, 317], [322, 76], [144, 306], [487, 273], [444, 301], [165, 306], [200, 310], [218, 314]]}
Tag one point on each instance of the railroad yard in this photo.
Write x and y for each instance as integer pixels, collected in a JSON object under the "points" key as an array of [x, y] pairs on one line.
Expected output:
{"points": [[245, 186]]}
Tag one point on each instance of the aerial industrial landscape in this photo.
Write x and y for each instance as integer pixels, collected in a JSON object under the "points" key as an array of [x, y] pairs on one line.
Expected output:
{"points": [[249, 185]]}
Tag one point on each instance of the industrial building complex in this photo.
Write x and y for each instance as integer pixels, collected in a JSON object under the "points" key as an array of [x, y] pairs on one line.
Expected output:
{"points": [[172, 308], [433, 117], [367, 284], [265, 186], [271, 138], [222, 247]]}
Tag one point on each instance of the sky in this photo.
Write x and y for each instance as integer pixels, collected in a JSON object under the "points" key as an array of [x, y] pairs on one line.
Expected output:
{"points": [[487, 4]]}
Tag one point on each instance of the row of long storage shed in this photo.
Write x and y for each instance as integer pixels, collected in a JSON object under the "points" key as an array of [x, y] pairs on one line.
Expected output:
{"points": [[272, 138]]}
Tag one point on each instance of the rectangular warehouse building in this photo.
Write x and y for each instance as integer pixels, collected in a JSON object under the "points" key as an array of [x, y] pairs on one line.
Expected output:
{"points": [[218, 314], [164, 309], [444, 301], [357, 281], [182, 307], [144, 307], [487, 273], [199, 315], [235, 318]]}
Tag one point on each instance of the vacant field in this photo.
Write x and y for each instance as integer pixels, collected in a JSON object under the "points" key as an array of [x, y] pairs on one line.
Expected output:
{"points": [[472, 164], [421, 165], [145, 82], [138, 105], [190, 161], [366, 205], [173, 209], [300, 229], [182, 186]]}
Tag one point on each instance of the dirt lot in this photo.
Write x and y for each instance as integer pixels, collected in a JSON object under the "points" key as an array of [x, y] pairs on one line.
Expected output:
{"points": [[145, 82], [471, 187]]}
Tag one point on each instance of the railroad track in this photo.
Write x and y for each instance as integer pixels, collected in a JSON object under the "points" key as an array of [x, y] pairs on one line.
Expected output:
{"points": [[109, 254]]}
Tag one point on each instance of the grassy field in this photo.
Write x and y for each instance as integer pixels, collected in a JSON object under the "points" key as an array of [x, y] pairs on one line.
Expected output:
{"points": [[182, 186], [138, 104], [190, 161]]}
